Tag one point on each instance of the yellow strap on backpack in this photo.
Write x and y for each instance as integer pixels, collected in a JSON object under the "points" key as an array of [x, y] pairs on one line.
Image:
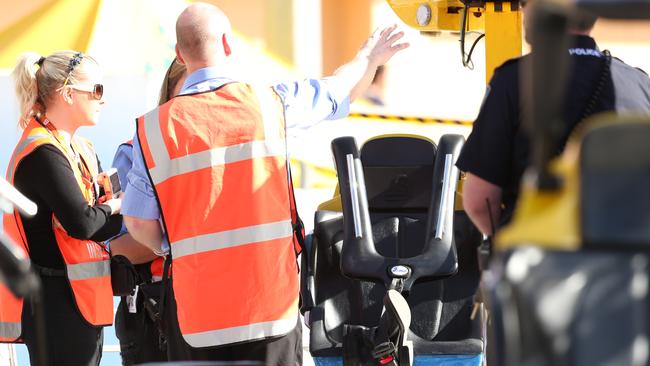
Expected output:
{"points": [[547, 219], [551, 219]]}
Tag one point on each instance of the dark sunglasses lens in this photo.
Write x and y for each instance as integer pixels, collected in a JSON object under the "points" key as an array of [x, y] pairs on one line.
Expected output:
{"points": [[98, 91]]}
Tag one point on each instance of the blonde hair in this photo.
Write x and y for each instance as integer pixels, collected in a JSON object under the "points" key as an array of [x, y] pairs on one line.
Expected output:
{"points": [[38, 78], [174, 73]]}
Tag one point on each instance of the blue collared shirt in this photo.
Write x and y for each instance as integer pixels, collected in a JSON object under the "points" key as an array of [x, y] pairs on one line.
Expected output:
{"points": [[305, 102], [123, 162]]}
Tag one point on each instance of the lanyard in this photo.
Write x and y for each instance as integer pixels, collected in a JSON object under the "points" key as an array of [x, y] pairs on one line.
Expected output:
{"points": [[86, 174]]}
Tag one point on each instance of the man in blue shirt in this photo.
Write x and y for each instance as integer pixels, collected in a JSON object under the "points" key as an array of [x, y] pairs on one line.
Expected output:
{"points": [[204, 36]]}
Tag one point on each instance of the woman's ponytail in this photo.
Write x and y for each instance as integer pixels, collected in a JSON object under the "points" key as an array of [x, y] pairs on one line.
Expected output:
{"points": [[24, 76]]}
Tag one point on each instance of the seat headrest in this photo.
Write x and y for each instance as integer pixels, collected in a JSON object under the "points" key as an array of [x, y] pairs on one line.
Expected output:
{"points": [[398, 172], [398, 151]]}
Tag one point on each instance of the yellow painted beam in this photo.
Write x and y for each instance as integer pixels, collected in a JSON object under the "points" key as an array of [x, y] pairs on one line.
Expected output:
{"points": [[444, 15], [503, 35]]}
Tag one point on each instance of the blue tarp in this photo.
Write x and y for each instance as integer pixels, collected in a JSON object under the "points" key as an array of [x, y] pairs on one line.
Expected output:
{"points": [[434, 360]]}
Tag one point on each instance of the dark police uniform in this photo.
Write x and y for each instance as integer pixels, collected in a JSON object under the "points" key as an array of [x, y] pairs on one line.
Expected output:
{"points": [[138, 332], [135, 327], [497, 150]]}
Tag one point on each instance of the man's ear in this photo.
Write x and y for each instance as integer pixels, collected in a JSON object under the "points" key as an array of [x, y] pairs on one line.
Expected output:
{"points": [[179, 57], [226, 46]]}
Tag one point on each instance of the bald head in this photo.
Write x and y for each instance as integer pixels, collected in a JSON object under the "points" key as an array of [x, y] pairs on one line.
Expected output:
{"points": [[201, 30]]}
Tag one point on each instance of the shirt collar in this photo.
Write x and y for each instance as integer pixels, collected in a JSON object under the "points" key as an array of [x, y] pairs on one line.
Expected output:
{"points": [[207, 78]]}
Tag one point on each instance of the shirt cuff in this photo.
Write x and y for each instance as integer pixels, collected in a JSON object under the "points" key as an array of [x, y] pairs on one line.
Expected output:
{"points": [[164, 247], [342, 110]]}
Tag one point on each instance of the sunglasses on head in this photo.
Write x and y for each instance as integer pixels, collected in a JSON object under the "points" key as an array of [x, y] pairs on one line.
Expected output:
{"points": [[97, 90]]}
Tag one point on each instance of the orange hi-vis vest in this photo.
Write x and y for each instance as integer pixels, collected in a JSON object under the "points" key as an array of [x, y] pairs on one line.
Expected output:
{"points": [[155, 266], [218, 164], [87, 263]]}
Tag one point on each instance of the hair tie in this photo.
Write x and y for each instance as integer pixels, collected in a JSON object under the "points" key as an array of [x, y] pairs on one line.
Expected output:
{"points": [[40, 61]]}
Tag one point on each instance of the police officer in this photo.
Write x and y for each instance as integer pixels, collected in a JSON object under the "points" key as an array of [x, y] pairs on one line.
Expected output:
{"points": [[497, 150], [137, 325]]}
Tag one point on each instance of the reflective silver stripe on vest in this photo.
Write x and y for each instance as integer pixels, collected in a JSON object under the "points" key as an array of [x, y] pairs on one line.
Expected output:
{"points": [[19, 150], [232, 238], [165, 168], [84, 271], [9, 330], [88, 153], [214, 157], [154, 139], [241, 334]]}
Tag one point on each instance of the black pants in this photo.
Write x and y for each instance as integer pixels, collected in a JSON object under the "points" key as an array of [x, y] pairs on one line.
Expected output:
{"points": [[281, 351], [71, 341], [137, 332]]}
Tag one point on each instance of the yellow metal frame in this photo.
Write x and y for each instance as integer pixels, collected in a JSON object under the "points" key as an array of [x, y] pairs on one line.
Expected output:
{"points": [[503, 35], [501, 22], [445, 15]]}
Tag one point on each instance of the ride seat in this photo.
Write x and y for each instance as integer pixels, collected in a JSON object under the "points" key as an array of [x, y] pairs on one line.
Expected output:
{"points": [[399, 178]]}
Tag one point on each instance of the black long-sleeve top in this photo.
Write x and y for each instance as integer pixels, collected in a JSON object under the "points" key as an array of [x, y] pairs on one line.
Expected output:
{"points": [[45, 177]]}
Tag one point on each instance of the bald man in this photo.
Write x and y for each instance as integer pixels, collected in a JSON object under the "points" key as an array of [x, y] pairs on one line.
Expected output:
{"points": [[211, 166]]}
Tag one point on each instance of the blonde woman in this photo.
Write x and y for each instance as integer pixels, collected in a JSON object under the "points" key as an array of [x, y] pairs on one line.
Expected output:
{"points": [[58, 170]]}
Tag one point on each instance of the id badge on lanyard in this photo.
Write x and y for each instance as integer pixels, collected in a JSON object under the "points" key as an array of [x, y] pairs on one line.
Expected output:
{"points": [[132, 300]]}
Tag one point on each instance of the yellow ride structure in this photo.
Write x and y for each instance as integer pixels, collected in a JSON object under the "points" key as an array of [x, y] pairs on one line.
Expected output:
{"points": [[500, 21]]}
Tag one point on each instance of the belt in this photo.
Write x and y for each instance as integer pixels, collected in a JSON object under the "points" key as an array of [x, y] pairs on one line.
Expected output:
{"points": [[48, 272]]}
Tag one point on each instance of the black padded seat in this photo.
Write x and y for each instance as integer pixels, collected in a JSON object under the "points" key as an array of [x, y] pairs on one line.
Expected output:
{"points": [[398, 174]]}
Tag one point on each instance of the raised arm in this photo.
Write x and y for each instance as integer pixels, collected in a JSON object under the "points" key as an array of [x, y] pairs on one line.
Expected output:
{"points": [[310, 101], [356, 75]]}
